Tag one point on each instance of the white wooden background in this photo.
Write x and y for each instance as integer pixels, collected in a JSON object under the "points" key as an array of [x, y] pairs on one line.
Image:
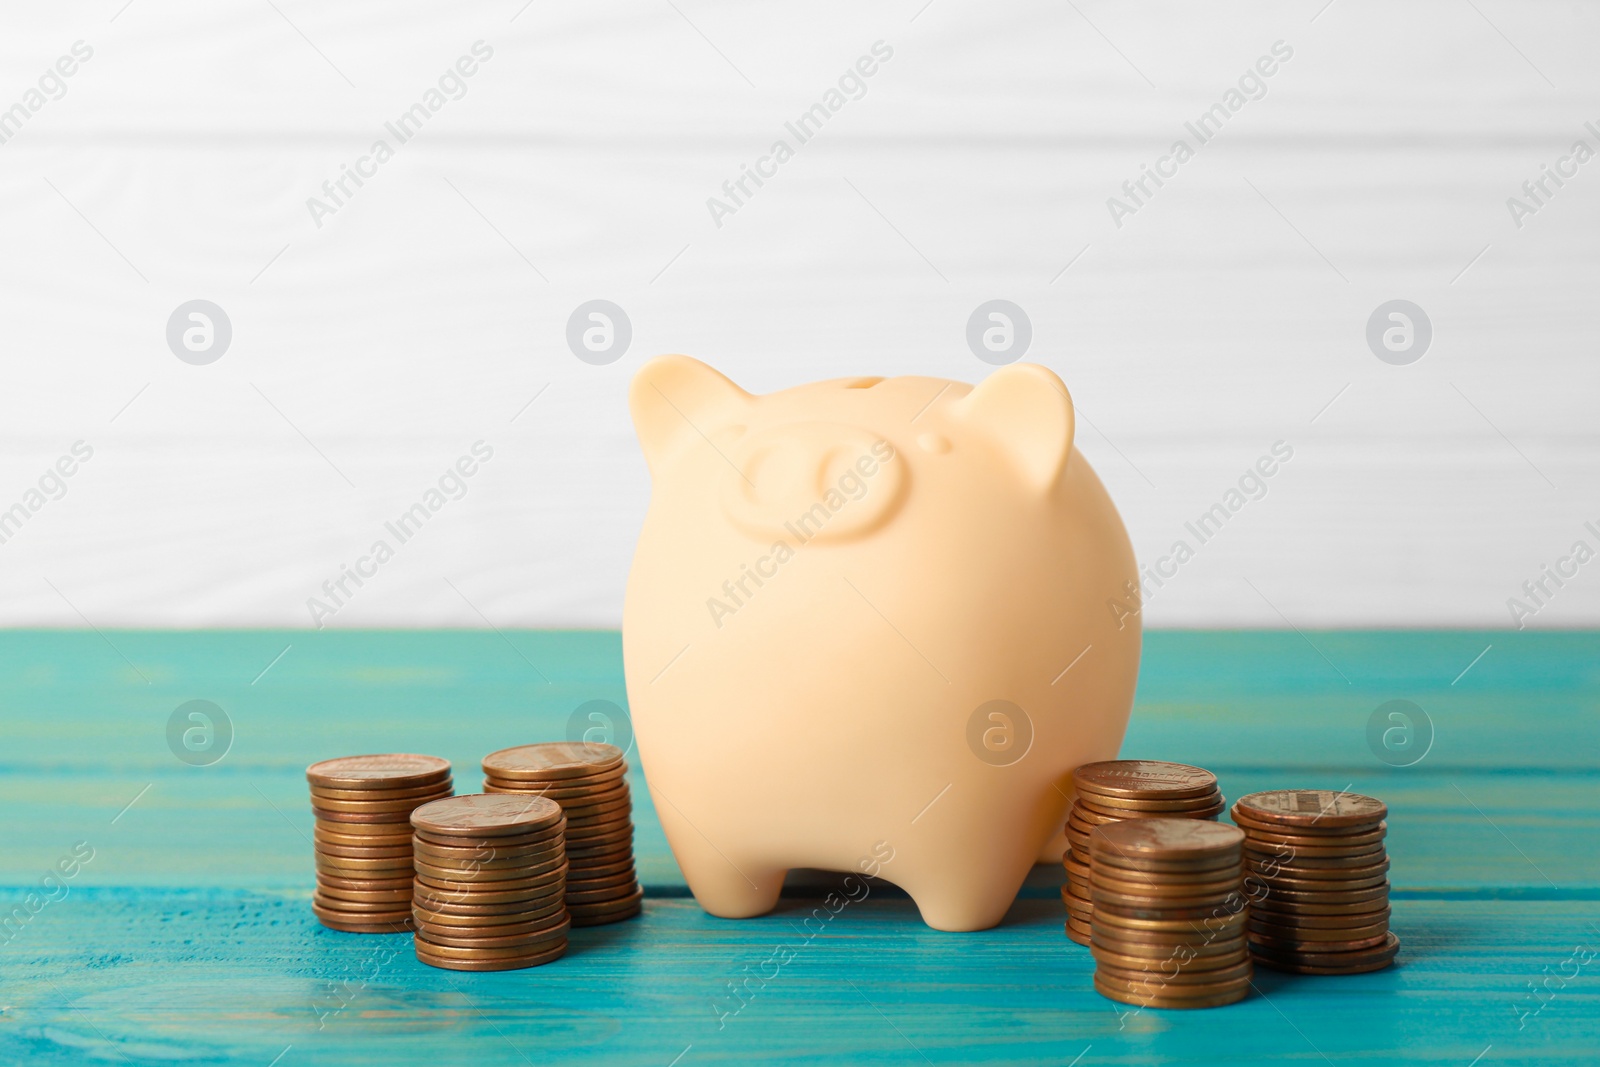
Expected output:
{"points": [[1226, 315]]}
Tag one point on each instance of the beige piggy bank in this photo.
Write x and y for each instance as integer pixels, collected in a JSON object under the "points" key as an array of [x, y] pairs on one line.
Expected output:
{"points": [[872, 625]]}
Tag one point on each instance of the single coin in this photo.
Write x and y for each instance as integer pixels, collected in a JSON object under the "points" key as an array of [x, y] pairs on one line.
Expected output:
{"points": [[1160, 944], [1201, 913], [1294, 898], [617, 854], [363, 833], [589, 885], [494, 879], [1146, 1000], [1142, 778], [517, 885], [486, 815], [451, 920], [531, 864], [364, 896], [1269, 906], [1229, 883], [399, 926], [1339, 838], [607, 917], [601, 896], [489, 853], [1220, 925], [1284, 874], [1319, 859], [1144, 806], [611, 826], [581, 871], [454, 952], [1080, 915], [1322, 808], [1331, 836], [329, 913], [430, 790], [363, 883], [373, 807], [391, 771], [589, 847], [614, 811], [468, 907], [356, 852], [1199, 984], [502, 844], [387, 819], [1165, 839], [548, 929], [1145, 976], [551, 760], [322, 899], [1221, 904], [590, 908], [561, 788], [1324, 885], [503, 963], [1290, 920], [1146, 870], [347, 863], [1168, 964], [1313, 937], [611, 793], [1088, 818], [463, 893], [1079, 931]]}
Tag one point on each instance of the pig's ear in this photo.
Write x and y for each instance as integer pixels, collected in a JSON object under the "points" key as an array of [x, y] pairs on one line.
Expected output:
{"points": [[677, 401], [1027, 411]]}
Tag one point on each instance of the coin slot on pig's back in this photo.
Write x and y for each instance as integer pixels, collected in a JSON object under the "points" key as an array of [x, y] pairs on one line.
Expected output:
{"points": [[814, 481]]}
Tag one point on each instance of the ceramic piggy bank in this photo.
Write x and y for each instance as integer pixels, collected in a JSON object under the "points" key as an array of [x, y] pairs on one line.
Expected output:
{"points": [[872, 625]]}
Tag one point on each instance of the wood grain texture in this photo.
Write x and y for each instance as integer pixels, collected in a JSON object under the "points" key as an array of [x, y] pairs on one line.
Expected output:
{"points": [[188, 936], [1226, 315]]}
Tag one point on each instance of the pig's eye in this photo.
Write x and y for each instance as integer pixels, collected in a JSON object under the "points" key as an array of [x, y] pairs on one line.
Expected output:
{"points": [[937, 443]]}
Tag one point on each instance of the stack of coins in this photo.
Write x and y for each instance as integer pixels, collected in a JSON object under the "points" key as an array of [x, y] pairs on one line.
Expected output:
{"points": [[363, 809], [1126, 789], [491, 875], [1169, 918], [587, 781], [1317, 875]]}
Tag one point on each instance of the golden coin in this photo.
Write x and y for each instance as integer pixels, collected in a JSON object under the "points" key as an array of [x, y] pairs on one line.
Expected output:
{"points": [[1087, 818], [1124, 927], [1269, 906], [1232, 906], [602, 896], [1374, 959], [1201, 984], [617, 854], [592, 908], [396, 919], [552, 760], [387, 819], [1140, 808], [593, 813], [454, 952], [401, 895], [1286, 875], [1146, 1000], [486, 892], [372, 807], [389, 771], [1165, 839], [361, 852], [610, 881], [398, 926], [1294, 898], [348, 863], [1146, 870], [585, 870], [344, 887], [588, 848], [560, 788], [604, 918], [1270, 931], [374, 833], [503, 844], [1079, 932], [501, 963], [487, 860], [1291, 920], [1181, 977], [508, 885], [1337, 838], [453, 920], [1315, 860], [1103, 880], [494, 879], [1325, 885], [1159, 944], [479, 815], [468, 906], [1320, 808], [431, 789], [550, 929], [1142, 778], [1164, 963], [1294, 948]]}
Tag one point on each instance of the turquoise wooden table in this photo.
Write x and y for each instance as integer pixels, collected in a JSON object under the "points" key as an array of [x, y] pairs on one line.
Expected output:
{"points": [[184, 933]]}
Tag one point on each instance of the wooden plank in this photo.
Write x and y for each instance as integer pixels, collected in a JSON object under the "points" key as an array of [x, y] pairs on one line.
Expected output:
{"points": [[224, 977]]}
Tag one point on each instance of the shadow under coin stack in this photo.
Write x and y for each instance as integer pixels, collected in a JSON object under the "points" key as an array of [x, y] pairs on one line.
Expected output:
{"points": [[491, 877], [363, 808], [1317, 875], [1126, 789], [1169, 918], [587, 781]]}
